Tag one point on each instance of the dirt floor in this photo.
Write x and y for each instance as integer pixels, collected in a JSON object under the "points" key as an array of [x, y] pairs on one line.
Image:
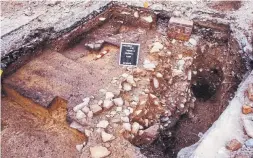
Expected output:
{"points": [[25, 135]]}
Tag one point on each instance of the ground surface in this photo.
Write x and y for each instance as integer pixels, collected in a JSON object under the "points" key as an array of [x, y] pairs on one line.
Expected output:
{"points": [[45, 76]]}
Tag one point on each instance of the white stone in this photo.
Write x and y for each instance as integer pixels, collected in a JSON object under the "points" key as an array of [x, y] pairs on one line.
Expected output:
{"points": [[125, 119], [157, 46], [85, 109], [136, 14], [79, 147], [127, 126], [108, 104], [95, 108], [102, 19], [107, 137], [189, 75], [99, 152], [87, 132], [155, 82], [135, 127], [118, 101], [80, 115], [125, 75], [177, 13], [127, 112], [77, 126], [248, 126], [130, 79], [103, 124], [119, 109], [83, 104], [127, 87], [173, 41], [90, 114], [159, 75], [109, 95], [148, 65], [102, 91], [192, 41], [149, 19]]}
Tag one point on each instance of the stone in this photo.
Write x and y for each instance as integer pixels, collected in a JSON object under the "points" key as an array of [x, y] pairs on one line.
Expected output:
{"points": [[99, 152], [159, 75], [192, 41], [233, 145], [109, 95], [149, 135], [106, 137], [80, 115], [249, 143], [157, 47], [125, 119], [130, 79], [148, 65], [108, 104], [148, 19], [127, 126], [177, 13], [155, 83], [135, 127], [119, 109], [102, 19], [97, 45], [95, 109], [118, 101], [85, 109], [103, 124], [90, 114], [77, 126], [83, 104], [79, 147], [127, 112], [248, 126], [87, 132], [246, 109], [127, 87], [250, 92], [102, 91], [136, 14]]}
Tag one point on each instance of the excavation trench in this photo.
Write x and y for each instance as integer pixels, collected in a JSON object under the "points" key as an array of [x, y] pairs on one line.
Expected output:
{"points": [[185, 105]]}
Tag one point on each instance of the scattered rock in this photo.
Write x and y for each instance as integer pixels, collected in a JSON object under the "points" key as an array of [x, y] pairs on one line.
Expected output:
{"points": [[248, 126], [80, 115], [159, 75], [246, 109], [99, 152], [125, 119], [102, 19], [149, 135], [192, 41], [77, 126], [87, 132], [130, 79], [233, 145], [85, 109], [176, 13], [119, 109], [136, 14], [103, 124], [83, 104], [148, 65], [107, 137], [127, 87], [156, 83], [97, 45], [157, 47], [127, 126], [90, 114], [148, 19], [109, 95], [108, 104], [118, 101], [127, 112], [95, 109], [250, 92], [249, 143], [79, 147], [135, 127]]}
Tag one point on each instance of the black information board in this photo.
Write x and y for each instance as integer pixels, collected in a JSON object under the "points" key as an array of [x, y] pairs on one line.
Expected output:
{"points": [[129, 54]]}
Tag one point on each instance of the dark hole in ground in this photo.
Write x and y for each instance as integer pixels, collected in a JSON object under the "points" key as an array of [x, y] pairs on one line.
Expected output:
{"points": [[203, 89]]}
